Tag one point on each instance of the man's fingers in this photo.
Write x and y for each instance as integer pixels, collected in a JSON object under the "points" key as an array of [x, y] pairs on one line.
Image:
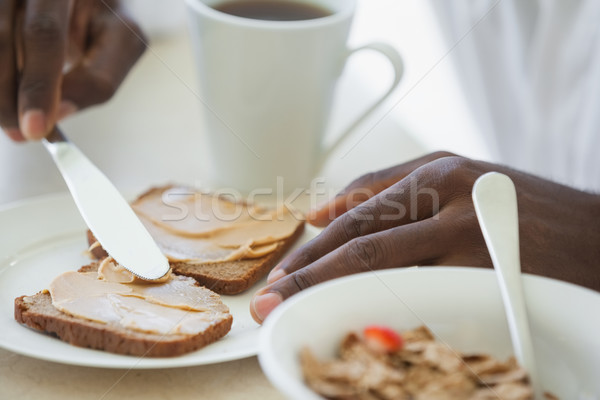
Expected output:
{"points": [[117, 44], [9, 120], [397, 247], [329, 211], [419, 196], [423, 219], [45, 30], [410, 200], [367, 186]]}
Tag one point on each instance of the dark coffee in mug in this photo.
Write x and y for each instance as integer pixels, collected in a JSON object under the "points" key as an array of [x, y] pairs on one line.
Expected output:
{"points": [[272, 10]]}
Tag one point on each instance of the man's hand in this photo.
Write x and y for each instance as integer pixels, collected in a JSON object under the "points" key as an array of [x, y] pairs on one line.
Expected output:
{"points": [[60, 56], [421, 213]]}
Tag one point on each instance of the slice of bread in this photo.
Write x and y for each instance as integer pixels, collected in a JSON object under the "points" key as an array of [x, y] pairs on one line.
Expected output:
{"points": [[228, 278], [38, 313]]}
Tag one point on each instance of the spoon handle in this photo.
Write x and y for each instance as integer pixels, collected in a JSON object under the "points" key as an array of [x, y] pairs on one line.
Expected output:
{"points": [[495, 200]]}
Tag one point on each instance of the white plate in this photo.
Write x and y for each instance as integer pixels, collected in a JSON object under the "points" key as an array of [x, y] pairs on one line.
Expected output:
{"points": [[42, 237], [462, 306]]}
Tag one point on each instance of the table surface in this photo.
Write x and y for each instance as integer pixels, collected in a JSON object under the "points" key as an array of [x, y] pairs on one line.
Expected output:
{"points": [[152, 133]]}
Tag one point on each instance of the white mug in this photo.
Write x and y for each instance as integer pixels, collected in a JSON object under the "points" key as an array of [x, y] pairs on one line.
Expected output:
{"points": [[267, 89]]}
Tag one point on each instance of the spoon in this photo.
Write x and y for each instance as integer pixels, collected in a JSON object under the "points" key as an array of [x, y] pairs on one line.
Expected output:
{"points": [[495, 202]]}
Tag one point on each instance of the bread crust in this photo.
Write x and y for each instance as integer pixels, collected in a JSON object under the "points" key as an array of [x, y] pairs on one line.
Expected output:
{"points": [[227, 278]]}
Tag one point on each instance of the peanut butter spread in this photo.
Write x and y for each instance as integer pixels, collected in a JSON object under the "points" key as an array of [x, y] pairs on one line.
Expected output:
{"points": [[204, 228], [172, 305]]}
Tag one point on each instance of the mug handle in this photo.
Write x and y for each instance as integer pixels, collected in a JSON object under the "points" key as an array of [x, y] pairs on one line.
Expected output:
{"points": [[396, 60]]}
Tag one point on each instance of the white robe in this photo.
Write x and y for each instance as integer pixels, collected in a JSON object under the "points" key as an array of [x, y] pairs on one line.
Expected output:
{"points": [[530, 70]]}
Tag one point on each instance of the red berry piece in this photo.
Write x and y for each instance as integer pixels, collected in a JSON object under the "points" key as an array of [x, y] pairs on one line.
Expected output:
{"points": [[382, 339]]}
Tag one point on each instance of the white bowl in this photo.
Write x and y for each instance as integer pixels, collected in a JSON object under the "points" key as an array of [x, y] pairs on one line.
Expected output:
{"points": [[462, 306]]}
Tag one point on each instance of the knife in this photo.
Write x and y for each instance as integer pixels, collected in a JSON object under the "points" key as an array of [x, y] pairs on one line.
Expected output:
{"points": [[105, 211]]}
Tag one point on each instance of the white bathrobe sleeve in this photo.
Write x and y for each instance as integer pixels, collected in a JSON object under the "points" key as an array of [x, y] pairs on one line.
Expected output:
{"points": [[530, 70]]}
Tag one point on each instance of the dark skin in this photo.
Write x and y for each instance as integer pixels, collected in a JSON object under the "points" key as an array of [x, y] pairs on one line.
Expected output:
{"points": [[390, 219], [38, 38]]}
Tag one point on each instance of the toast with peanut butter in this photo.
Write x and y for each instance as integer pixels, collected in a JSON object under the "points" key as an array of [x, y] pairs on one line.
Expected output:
{"points": [[224, 245], [102, 306]]}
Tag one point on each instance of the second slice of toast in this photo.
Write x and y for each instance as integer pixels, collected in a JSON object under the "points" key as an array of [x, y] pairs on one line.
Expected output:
{"points": [[227, 277]]}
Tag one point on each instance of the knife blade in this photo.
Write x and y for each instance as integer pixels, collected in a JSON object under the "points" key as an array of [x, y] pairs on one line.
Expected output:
{"points": [[106, 213]]}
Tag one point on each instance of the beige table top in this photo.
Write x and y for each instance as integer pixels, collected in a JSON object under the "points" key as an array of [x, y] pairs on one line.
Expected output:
{"points": [[142, 129], [28, 378]]}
